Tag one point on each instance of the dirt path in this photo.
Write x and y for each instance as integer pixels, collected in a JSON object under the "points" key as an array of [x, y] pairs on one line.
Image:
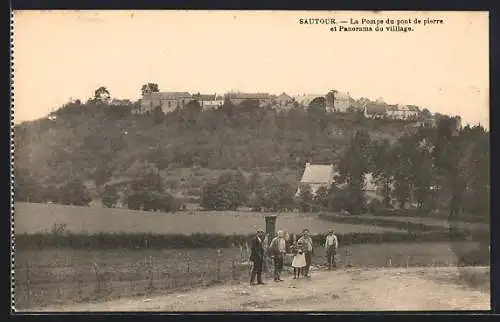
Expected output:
{"points": [[342, 290]]}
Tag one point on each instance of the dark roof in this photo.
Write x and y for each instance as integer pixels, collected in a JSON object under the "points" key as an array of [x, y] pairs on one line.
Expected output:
{"points": [[413, 108], [376, 108], [284, 96], [248, 95], [204, 97], [168, 95]]}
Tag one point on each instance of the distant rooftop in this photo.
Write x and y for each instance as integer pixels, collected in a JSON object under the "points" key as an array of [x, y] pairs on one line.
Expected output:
{"points": [[318, 173]]}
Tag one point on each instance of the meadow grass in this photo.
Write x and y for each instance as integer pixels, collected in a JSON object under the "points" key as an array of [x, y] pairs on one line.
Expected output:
{"points": [[32, 218], [56, 276]]}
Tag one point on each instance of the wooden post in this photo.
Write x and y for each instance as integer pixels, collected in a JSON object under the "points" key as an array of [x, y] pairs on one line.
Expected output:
{"points": [[233, 269], [188, 273], [98, 280], [151, 284], [28, 290], [217, 272]]}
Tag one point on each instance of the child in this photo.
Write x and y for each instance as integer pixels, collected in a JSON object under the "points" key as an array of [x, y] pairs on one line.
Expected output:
{"points": [[299, 261]]}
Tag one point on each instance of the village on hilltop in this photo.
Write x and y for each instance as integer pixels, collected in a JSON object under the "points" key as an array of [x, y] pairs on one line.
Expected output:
{"points": [[334, 101]]}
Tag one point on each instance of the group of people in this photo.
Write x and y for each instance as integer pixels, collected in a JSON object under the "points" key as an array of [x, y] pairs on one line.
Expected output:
{"points": [[301, 248]]}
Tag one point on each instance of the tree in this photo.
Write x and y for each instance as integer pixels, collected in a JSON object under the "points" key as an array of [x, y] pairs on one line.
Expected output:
{"points": [[189, 113], [353, 167], [323, 198], [75, 193], [158, 115], [110, 196], [149, 88], [26, 188], [102, 95], [102, 174], [305, 198], [425, 114], [403, 172], [228, 193], [319, 103], [383, 169], [273, 195], [145, 188]]}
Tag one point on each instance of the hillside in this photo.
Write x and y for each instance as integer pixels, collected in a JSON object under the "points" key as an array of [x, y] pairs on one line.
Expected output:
{"points": [[100, 143]]}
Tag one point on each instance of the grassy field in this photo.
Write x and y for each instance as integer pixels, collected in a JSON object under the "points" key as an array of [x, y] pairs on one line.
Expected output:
{"points": [[31, 218], [56, 276]]}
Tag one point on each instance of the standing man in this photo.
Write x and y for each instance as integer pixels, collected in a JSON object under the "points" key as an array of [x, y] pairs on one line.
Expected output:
{"points": [[257, 257], [331, 246], [306, 240], [277, 251]]}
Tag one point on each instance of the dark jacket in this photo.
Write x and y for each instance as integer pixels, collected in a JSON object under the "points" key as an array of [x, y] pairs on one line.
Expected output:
{"points": [[257, 251]]}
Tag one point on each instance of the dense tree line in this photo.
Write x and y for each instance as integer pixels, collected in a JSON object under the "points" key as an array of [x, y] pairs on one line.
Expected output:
{"points": [[431, 169]]}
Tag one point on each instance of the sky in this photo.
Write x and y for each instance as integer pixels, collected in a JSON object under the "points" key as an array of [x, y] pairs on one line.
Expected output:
{"points": [[60, 55]]}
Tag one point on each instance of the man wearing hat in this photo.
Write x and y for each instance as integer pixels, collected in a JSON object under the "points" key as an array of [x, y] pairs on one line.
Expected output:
{"points": [[307, 243], [257, 257], [331, 246]]}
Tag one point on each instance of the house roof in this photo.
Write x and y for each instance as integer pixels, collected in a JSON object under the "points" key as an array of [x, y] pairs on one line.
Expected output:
{"points": [[306, 99], [375, 108], [248, 95], [284, 96], [168, 95], [413, 108], [318, 173], [204, 97]]}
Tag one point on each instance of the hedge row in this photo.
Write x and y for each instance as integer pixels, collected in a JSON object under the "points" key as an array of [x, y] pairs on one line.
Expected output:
{"points": [[467, 217], [175, 241], [409, 226]]}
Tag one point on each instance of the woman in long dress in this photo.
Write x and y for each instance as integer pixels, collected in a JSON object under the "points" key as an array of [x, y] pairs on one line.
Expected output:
{"points": [[299, 261]]}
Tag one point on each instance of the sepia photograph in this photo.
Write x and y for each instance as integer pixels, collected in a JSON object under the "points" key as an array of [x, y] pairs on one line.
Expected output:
{"points": [[198, 160]]}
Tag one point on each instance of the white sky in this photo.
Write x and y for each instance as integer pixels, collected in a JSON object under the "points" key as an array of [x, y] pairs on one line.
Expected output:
{"points": [[63, 54]]}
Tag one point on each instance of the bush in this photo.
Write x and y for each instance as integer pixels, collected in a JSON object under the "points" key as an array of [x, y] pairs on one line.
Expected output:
{"points": [[382, 223], [375, 206], [203, 240]]}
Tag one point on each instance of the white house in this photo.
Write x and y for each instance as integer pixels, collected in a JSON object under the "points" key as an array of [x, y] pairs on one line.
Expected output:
{"points": [[402, 112], [323, 175], [209, 101], [316, 176]]}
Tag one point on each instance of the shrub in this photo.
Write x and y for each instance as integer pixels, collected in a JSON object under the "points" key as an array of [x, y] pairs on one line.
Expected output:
{"points": [[203, 240], [374, 206]]}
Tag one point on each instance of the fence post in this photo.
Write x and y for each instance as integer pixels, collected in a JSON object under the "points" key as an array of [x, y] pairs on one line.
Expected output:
{"points": [[28, 290], [233, 270], [348, 253], [98, 280], [79, 290], [151, 284], [217, 271], [188, 273]]}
